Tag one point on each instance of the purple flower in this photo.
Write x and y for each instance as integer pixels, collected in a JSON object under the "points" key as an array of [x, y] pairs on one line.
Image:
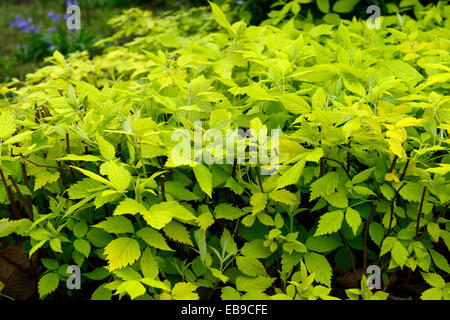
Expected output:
{"points": [[22, 25], [51, 30], [17, 21], [33, 29], [71, 3], [53, 16]]}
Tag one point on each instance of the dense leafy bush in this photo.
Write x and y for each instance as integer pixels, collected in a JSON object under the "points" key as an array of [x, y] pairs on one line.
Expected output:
{"points": [[256, 11], [40, 41], [87, 150]]}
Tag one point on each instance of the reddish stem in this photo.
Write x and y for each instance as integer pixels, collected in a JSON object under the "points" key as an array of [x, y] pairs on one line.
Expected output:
{"points": [[27, 208]]}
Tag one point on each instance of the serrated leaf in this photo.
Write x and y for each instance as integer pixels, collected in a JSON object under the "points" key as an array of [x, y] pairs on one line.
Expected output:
{"points": [[129, 206], [318, 264], [399, 254], [184, 291], [122, 252], [45, 177], [106, 148], [387, 245], [337, 199], [116, 224], [250, 266], [50, 264], [387, 191], [74, 157], [101, 293], [440, 261], [322, 244], [176, 231], [95, 176], [47, 284], [149, 265], [403, 71], [283, 196], [325, 185], [97, 274], [82, 246], [153, 238], [227, 211], [205, 220], [200, 238], [363, 191], [292, 175], [204, 178], [220, 17], [119, 176], [432, 294], [258, 202], [362, 176], [132, 287], [219, 275], [294, 103], [155, 284], [255, 249], [162, 213], [411, 192], [258, 284], [98, 237], [80, 229], [7, 125], [229, 293], [376, 232], [234, 186], [353, 219], [6, 227], [330, 222], [433, 279], [55, 244], [434, 231], [127, 274]]}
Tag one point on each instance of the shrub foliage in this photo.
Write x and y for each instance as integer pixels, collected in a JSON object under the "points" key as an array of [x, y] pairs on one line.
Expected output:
{"points": [[89, 179]]}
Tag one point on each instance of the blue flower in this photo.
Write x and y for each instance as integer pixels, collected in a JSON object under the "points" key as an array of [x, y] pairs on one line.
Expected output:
{"points": [[51, 30], [18, 22], [53, 16], [71, 3], [33, 29], [22, 25]]}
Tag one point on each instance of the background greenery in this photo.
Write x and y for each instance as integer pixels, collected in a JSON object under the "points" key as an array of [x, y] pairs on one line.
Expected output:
{"points": [[95, 14]]}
